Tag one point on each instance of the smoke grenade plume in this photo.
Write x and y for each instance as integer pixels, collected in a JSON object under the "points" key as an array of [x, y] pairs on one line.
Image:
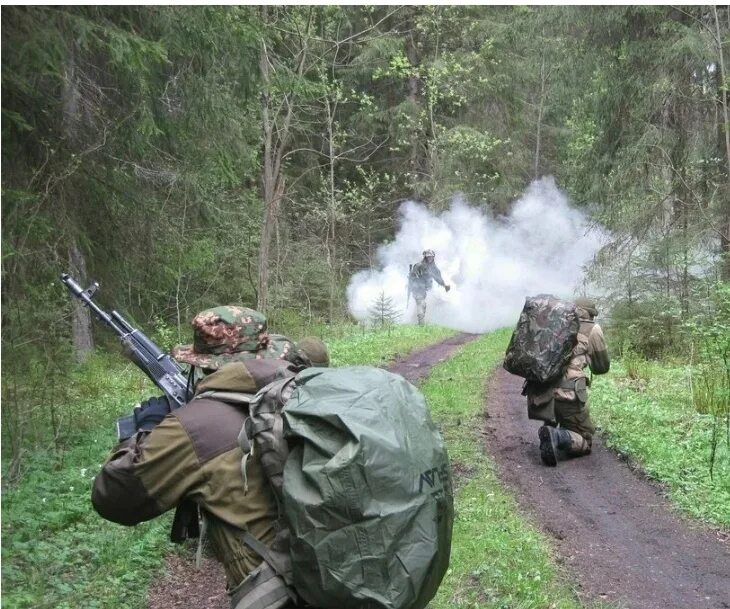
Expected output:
{"points": [[492, 265]]}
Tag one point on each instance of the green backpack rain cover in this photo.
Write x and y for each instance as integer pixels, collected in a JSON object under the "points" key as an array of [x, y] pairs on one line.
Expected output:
{"points": [[367, 491]]}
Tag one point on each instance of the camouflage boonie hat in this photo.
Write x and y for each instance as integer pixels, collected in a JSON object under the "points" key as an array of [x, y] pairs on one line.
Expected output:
{"points": [[429, 253], [226, 334]]}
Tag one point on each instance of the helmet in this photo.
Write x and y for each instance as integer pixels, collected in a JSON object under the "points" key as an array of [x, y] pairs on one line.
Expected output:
{"points": [[225, 334], [429, 254], [588, 304], [314, 349]]}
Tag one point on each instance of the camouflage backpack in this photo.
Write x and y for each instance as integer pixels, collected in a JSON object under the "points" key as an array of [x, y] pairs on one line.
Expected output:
{"points": [[363, 486], [543, 340]]}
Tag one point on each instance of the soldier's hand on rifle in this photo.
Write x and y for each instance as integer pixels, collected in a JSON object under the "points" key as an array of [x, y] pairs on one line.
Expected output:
{"points": [[447, 287], [148, 414]]}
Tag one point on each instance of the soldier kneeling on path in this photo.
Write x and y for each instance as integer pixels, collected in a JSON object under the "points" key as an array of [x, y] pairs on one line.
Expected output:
{"points": [[190, 458], [564, 406], [421, 278]]}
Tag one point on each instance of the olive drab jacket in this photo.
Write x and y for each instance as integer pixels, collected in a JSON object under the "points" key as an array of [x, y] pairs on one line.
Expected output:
{"points": [[193, 454]]}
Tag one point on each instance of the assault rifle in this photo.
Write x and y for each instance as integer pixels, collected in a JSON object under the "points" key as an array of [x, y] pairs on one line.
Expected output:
{"points": [[161, 369]]}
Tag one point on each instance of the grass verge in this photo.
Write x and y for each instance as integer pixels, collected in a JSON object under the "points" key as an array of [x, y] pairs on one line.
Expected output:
{"points": [[649, 416], [497, 559], [56, 552]]}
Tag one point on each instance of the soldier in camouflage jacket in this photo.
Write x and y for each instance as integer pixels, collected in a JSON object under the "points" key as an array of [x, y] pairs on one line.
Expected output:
{"points": [[191, 456], [564, 406]]}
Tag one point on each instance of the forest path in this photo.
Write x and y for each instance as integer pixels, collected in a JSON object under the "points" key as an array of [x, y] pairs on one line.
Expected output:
{"points": [[614, 531], [182, 585]]}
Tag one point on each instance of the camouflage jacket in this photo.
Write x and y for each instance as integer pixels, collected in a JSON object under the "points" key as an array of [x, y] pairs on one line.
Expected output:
{"points": [[423, 274], [194, 454], [590, 352]]}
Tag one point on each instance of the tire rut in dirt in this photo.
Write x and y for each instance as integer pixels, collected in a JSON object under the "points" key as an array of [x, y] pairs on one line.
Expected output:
{"points": [[612, 528], [185, 586]]}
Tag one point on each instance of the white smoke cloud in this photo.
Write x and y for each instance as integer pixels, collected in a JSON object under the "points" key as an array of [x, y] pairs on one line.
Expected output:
{"points": [[492, 265]]}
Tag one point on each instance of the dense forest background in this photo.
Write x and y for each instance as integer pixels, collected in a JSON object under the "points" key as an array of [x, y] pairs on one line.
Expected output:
{"points": [[191, 156]]}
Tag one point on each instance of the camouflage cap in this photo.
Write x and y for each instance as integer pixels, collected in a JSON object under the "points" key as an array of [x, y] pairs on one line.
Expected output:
{"points": [[314, 349], [279, 347], [225, 334], [588, 304], [429, 253]]}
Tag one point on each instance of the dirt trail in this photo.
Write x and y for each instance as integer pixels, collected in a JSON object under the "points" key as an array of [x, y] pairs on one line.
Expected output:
{"points": [[184, 586], [612, 528]]}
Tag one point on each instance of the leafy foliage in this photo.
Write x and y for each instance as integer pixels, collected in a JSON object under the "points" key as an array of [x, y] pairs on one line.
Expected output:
{"points": [[135, 153]]}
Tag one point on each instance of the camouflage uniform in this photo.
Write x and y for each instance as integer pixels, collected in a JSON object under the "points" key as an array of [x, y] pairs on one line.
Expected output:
{"points": [[420, 280], [565, 404], [193, 455]]}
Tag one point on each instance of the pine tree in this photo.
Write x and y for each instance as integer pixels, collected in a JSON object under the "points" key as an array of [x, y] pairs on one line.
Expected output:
{"points": [[383, 313]]}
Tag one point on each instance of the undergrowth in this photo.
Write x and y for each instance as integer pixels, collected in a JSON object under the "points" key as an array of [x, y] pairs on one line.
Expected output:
{"points": [[646, 411]]}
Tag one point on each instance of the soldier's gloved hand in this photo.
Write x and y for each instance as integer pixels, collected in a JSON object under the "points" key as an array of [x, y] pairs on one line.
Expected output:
{"points": [[447, 287], [148, 414]]}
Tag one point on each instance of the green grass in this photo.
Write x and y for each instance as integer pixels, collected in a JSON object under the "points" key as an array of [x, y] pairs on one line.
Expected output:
{"points": [[56, 552], [377, 348], [646, 411], [497, 559]]}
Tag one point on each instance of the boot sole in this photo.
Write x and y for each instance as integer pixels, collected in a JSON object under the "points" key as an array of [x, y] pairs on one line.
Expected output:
{"points": [[548, 449]]}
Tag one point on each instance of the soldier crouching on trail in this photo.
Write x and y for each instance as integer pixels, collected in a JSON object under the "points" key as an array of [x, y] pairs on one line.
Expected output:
{"points": [[190, 458], [420, 280], [564, 407]]}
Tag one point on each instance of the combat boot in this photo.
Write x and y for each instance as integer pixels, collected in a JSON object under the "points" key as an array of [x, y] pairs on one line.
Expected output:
{"points": [[551, 441], [548, 445]]}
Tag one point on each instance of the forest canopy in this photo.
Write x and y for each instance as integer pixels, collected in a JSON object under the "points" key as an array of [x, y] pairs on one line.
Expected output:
{"points": [[186, 156]]}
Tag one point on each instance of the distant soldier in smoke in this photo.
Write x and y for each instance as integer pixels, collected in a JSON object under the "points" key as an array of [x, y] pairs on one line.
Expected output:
{"points": [[420, 279]]}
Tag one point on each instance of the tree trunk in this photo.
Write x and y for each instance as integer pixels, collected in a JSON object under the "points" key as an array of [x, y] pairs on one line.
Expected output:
{"points": [[277, 133], [271, 181], [540, 110], [413, 93], [723, 90], [81, 331], [273, 190], [725, 211], [332, 228]]}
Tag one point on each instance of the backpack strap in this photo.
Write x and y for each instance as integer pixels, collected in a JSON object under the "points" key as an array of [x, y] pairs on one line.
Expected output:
{"points": [[261, 589], [270, 556], [230, 397], [266, 430], [263, 431]]}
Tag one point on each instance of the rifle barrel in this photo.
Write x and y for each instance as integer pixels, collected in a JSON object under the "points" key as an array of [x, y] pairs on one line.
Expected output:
{"points": [[86, 299]]}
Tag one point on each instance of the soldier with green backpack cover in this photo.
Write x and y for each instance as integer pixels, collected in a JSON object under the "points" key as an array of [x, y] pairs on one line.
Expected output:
{"points": [[316, 487], [189, 459], [552, 346]]}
